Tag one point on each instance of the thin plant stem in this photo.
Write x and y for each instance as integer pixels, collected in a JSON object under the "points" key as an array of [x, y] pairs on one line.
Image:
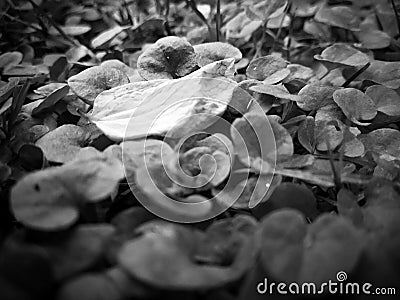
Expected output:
{"points": [[355, 75], [128, 12], [346, 134], [289, 44], [336, 173], [193, 6], [21, 22], [259, 47], [54, 24], [397, 15], [166, 17], [280, 28], [326, 74], [218, 20]]}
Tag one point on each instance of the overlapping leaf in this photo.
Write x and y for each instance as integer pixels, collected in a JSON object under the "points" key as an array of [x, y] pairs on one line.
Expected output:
{"points": [[357, 106], [384, 142], [265, 66], [339, 55], [63, 143], [339, 16], [386, 100], [382, 72], [249, 192], [50, 199], [175, 248], [259, 145], [298, 252], [215, 51], [177, 107], [9, 60], [314, 97], [91, 82], [289, 195], [170, 57]]}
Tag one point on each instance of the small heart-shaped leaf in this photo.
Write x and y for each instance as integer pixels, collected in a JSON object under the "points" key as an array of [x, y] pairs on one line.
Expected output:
{"points": [[215, 51], [265, 66], [293, 251], [386, 100], [170, 57], [91, 82], [9, 60], [338, 16], [50, 199], [63, 143], [340, 55], [313, 97], [356, 105]]}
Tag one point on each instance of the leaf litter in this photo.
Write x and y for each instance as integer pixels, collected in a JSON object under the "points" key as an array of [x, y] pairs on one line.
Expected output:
{"points": [[79, 91]]}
